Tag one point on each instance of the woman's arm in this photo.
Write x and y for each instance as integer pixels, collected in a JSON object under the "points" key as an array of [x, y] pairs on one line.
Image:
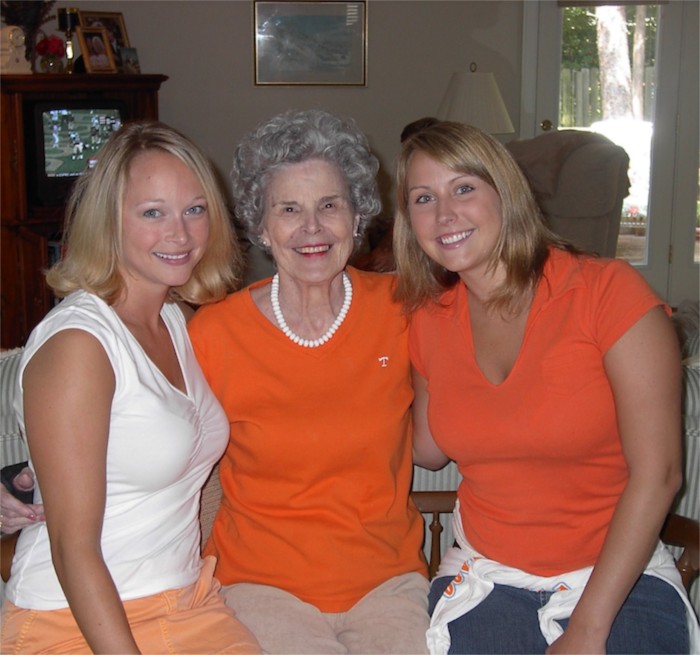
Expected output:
{"points": [[425, 451], [68, 389], [16, 514], [643, 368]]}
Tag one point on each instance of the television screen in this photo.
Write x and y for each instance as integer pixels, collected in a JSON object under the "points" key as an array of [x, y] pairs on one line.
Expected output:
{"points": [[62, 138], [72, 137]]}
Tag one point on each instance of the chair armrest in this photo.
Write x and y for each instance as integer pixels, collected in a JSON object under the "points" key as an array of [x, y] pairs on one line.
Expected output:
{"points": [[435, 503], [684, 532]]}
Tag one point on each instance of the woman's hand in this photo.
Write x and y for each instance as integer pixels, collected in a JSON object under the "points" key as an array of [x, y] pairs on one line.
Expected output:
{"points": [[24, 480], [14, 514], [571, 642]]}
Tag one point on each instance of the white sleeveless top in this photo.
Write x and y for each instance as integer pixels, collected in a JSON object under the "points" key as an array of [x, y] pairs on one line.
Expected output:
{"points": [[162, 446]]}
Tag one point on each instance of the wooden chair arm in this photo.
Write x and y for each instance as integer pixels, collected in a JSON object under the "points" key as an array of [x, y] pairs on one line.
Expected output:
{"points": [[435, 503], [685, 533]]}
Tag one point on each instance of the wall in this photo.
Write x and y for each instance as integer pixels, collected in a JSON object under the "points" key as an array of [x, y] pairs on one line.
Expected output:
{"points": [[206, 49]]}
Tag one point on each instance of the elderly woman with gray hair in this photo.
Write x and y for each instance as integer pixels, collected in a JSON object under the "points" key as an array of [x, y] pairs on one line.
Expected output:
{"points": [[318, 543]]}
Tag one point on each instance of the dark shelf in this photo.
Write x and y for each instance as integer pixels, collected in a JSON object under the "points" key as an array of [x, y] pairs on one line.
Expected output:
{"points": [[30, 230]]}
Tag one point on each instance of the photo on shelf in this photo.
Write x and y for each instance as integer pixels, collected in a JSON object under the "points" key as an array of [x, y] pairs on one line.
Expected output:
{"points": [[130, 61], [97, 53], [113, 22]]}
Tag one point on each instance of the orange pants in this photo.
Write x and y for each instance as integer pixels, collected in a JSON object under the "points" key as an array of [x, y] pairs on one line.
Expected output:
{"points": [[190, 620]]}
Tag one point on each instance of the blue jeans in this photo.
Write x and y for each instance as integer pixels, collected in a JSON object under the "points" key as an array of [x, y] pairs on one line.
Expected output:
{"points": [[652, 620]]}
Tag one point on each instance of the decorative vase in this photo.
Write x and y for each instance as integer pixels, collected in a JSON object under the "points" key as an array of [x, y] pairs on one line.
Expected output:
{"points": [[51, 64]]}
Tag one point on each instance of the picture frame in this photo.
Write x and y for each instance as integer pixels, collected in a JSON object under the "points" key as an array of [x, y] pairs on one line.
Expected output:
{"points": [[129, 61], [113, 22], [310, 43], [97, 53]]}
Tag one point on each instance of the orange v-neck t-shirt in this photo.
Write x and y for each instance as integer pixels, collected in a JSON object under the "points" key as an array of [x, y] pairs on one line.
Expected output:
{"points": [[540, 453]]}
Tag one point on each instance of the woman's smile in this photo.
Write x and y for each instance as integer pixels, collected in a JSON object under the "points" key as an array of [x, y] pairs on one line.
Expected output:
{"points": [[455, 239], [173, 258], [320, 249]]}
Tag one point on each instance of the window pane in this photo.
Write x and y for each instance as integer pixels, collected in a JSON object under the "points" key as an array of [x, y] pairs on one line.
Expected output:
{"points": [[607, 85]]}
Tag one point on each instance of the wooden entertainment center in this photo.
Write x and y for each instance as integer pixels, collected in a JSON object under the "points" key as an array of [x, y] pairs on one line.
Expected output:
{"points": [[28, 228]]}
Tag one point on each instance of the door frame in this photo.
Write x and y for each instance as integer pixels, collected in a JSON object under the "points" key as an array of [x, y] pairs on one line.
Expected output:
{"points": [[675, 146]]}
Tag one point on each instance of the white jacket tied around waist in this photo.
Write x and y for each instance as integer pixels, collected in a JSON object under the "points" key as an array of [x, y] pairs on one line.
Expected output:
{"points": [[475, 575]]}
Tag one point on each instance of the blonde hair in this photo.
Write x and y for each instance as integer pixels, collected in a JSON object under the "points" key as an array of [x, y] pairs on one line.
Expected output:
{"points": [[93, 228], [524, 240]]}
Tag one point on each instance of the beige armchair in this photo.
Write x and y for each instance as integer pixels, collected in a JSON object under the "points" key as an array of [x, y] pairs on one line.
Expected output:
{"points": [[580, 181]]}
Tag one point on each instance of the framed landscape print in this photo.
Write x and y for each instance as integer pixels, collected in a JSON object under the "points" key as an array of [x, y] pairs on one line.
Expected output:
{"points": [[310, 43]]}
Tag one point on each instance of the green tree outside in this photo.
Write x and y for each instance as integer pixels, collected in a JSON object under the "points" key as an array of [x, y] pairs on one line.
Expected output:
{"points": [[579, 42]]}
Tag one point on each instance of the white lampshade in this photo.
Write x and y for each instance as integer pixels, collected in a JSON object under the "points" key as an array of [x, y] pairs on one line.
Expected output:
{"points": [[474, 98]]}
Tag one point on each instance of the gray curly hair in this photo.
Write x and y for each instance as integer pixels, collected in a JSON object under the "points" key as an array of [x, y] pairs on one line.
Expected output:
{"points": [[293, 137]]}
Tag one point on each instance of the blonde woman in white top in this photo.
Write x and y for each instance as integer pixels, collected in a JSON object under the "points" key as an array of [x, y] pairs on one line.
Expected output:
{"points": [[121, 426]]}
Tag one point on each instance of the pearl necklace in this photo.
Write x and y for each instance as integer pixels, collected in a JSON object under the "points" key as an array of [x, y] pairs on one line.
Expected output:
{"points": [[309, 343]]}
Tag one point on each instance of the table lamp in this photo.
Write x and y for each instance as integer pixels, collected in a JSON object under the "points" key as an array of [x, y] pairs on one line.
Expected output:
{"points": [[474, 98]]}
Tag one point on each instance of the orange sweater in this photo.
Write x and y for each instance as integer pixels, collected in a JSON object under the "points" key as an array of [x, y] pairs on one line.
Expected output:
{"points": [[540, 454], [318, 469]]}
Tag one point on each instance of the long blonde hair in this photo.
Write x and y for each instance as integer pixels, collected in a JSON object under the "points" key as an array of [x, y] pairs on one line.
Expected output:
{"points": [[523, 243], [92, 233]]}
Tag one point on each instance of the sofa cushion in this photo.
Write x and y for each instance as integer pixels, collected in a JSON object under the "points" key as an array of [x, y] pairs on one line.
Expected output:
{"points": [[12, 446], [686, 319], [209, 504]]}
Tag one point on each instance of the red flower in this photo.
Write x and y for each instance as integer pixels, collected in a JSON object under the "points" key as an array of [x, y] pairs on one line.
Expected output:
{"points": [[51, 45]]}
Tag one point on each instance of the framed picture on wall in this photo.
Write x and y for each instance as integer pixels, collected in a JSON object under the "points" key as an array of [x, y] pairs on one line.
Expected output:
{"points": [[318, 42], [113, 22], [97, 53]]}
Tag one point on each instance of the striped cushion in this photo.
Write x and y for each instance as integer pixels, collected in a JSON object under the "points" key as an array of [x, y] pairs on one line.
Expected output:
{"points": [[689, 504], [12, 447], [210, 501], [691, 393], [691, 347]]}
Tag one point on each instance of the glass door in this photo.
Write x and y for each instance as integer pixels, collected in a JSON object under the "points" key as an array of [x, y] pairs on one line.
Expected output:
{"points": [[629, 72]]}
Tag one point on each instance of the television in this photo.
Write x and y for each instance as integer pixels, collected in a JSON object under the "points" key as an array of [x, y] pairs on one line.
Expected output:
{"points": [[63, 138]]}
